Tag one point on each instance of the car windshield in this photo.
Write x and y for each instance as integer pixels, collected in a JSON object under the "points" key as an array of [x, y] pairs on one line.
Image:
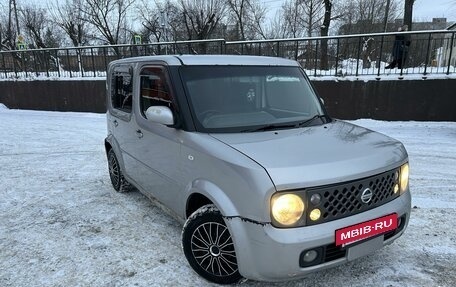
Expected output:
{"points": [[250, 98]]}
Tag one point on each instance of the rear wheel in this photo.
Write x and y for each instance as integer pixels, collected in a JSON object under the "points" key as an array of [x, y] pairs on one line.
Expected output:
{"points": [[118, 181], [209, 247]]}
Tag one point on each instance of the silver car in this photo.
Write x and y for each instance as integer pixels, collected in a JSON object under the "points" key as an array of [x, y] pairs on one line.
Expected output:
{"points": [[269, 186]]}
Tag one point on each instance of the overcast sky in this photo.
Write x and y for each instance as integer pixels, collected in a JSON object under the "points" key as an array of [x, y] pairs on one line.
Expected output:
{"points": [[428, 9], [423, 10]]}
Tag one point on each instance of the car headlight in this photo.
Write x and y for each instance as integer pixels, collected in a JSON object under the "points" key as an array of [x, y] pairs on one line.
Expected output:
{"points": [[404, 177], [287, 208]]}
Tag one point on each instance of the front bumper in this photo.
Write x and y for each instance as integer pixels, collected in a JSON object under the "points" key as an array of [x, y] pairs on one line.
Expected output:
{"points": [[267, 253]]}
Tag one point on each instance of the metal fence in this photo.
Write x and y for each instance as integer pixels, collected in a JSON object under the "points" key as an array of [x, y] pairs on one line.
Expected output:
{"points": [[430, 52]]}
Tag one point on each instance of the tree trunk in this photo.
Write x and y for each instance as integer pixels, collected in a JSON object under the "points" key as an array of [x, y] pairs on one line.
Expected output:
{"points": [[385, 19], [408, 12], [324, 29]]}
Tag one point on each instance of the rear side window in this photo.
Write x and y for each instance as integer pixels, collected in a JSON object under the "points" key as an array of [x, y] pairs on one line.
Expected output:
{"points": [[122, 91]]}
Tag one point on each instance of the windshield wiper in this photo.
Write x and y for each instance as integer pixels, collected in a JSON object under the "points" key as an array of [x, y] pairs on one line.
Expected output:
{"points": [[308, 121], [269, 128], [286, 125]]}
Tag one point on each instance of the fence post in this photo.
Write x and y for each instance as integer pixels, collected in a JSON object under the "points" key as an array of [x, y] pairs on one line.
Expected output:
{"points": [[105, 60], [4, 64], [23, 64], [82, 63], [14, 64], [296, 50], [451, 52], [427, 55], [57, 62], [357, 56], [46, 61], [35, 62], [69, 63], [93, 62], [380, 56], [337, 55], [316, 58]]}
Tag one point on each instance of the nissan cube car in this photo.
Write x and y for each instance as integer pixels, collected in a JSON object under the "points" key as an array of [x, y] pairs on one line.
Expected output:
{"points": [[268, 186]]}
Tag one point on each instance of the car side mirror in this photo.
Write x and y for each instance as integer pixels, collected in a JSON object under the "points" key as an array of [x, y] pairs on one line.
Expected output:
{"points": [[160, 114]]}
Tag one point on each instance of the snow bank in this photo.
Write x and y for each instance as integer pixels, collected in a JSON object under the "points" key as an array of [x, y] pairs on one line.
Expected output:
{"points": [[3, 107]]}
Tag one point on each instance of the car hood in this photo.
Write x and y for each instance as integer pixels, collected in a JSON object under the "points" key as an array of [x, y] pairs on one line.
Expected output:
{"points": [[318, 155]]}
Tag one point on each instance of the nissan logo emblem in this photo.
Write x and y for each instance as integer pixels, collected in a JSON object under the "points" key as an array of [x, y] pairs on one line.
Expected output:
{"points": [[366, 196]]}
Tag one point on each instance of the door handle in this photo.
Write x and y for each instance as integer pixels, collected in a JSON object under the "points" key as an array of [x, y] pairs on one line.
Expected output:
{"points": [[115, 123], [139, 133]]}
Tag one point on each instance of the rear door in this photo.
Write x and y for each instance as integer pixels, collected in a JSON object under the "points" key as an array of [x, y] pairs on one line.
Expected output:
{"points": [[120, 110]]}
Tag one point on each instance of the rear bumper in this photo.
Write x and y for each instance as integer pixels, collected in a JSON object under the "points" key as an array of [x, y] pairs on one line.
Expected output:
{"points": [[267, 253]]}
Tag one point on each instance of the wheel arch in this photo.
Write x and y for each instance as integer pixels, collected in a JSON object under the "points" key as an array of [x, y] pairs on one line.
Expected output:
{"points": [[107, 146], [203, 192], [110, 143]]}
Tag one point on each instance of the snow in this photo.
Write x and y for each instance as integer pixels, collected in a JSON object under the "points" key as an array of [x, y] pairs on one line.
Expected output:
{"points": [[62, 224]]}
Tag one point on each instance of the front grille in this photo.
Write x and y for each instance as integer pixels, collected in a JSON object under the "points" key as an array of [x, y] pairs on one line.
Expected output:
{"points": [[342, 200], [325, 254]]}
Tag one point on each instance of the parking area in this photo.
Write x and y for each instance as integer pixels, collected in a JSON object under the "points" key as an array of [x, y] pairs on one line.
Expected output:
{"points": [[62, 224]]}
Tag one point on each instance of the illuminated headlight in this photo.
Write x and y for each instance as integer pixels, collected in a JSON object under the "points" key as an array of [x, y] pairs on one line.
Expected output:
{"points": [[404, 177], [287, 208]]}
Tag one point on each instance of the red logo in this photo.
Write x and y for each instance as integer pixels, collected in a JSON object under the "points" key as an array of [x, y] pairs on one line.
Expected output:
{"points": [[366, 229]]}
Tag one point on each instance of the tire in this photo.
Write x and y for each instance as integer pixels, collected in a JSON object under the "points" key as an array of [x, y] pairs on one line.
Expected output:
{"points": [[118, 181], [209, 247]]}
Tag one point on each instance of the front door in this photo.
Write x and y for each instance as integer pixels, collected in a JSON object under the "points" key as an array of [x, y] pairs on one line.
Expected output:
{"points": [[156, 148]]}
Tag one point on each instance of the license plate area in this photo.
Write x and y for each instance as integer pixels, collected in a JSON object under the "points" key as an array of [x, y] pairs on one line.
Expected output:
{"points": [[368, 229]]}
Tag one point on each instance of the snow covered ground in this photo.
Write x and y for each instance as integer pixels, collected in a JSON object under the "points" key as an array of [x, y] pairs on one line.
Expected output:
{"points": [[61, 223]]}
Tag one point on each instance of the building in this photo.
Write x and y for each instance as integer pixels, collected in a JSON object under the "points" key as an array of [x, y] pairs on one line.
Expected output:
{"points": [[367, 26]]}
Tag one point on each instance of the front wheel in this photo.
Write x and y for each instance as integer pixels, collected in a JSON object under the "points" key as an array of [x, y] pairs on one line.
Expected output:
{"points": [[209, 247]]}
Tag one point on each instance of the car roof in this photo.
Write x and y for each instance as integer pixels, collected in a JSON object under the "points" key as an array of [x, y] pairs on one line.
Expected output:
{"points": [[208, 60]]}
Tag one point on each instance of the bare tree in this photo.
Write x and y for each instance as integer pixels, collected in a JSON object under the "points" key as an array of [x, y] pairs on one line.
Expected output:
{"points": [[303, 17], [9, 27], [201, 17], [258, 20], [243, 13], [367, 16], [152, 20], [68, 16], [39, 28], [108, 17], [291, 13], [239, 12], [276, 29]]}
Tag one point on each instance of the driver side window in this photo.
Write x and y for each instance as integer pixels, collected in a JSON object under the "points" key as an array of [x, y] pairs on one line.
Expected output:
{"points": [[155, 89]]}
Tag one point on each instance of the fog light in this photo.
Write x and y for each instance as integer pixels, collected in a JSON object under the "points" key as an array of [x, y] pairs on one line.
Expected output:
{"points": [[310, 256], [315, 214], [315, 199], [396, 188]]}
